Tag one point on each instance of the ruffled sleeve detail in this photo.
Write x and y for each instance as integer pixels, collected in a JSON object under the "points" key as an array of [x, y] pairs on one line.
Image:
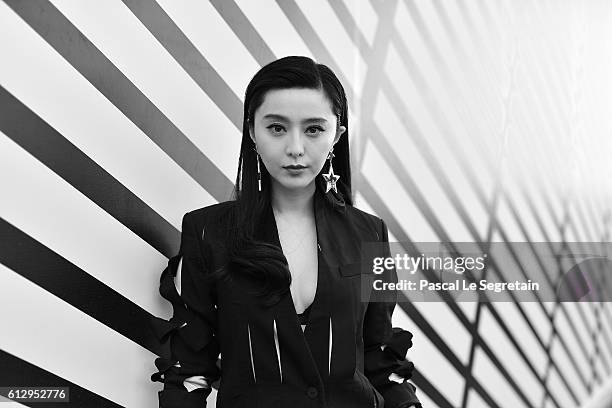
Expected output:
{"points": [[390, 358], [389, 371], [192, 366]]}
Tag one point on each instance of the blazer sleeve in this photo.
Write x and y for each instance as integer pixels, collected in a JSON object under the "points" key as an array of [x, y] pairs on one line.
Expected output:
{"points": [[192, 367], [385, 347]]}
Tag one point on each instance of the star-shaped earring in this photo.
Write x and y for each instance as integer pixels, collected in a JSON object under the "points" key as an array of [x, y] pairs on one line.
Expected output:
{"points": [[330, 177]]}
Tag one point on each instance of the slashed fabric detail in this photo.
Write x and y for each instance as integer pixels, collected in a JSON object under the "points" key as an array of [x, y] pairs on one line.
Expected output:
{"points": [[280, 368], [191, 367], [251, 353], [190, 335]]}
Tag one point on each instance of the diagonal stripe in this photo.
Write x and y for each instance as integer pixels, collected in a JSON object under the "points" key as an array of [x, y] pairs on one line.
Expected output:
{"points": [[71, 105], [388, 216], [456, 201], [353, 29], [49, 332], [244, 30], [56, 275], [430, 389], [289, 43], [67, 40], [26, 129], [50, 210], [16, 371], [165, 30], [407, 306], [315, 43], [374, 74], [390, 157]]}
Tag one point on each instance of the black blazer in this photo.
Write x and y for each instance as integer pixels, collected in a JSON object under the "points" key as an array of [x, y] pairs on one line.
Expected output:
{"points": [[342, 359]]}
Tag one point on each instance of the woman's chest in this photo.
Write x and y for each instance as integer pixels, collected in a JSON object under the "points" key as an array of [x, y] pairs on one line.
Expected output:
{"points": [[303, 266]]}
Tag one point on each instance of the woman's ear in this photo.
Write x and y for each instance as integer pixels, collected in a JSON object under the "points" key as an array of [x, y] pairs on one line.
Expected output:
{"points": [[339, 132], [252, 133]]}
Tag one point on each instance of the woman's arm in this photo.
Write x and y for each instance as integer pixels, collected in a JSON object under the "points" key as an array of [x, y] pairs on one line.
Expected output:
{"points": [[191, 368], [385, 347]]}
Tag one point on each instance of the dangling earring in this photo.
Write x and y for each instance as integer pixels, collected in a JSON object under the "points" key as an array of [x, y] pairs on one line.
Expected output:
{"points": [[258, 170], [330, 177]]}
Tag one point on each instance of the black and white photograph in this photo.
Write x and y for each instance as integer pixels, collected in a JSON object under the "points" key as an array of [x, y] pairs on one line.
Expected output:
{"points": [[306, 203]]}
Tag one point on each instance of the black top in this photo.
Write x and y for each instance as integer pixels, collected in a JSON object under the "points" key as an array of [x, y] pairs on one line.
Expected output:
{"points": [[304, 315]]}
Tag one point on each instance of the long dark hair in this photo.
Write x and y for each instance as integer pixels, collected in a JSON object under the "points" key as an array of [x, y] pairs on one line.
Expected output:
{"points": [[262, 261]]}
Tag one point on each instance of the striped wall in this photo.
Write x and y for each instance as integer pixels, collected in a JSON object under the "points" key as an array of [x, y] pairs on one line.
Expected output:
{"points": [[470, 120]]}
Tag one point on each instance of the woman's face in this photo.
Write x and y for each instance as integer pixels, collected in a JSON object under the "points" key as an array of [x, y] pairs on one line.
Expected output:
{"points": [[294, 126]]}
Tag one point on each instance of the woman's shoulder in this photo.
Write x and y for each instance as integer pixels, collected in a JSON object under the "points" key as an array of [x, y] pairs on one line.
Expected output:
{"points": [[210, 214], [362, 215], [213, 210], [364, 220]]}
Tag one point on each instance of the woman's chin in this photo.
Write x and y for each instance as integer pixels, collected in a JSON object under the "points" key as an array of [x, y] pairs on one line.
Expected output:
{"points": [[295, 184]]}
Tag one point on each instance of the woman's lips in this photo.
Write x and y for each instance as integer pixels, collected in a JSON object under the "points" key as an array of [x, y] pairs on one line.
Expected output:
{"points": [[295, 169]]}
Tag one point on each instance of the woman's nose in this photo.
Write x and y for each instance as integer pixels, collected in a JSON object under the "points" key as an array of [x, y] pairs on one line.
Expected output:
{"points": [[295, 144]]}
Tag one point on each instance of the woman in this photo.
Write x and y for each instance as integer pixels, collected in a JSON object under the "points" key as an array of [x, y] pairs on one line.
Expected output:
{"points": [[272, 279]]}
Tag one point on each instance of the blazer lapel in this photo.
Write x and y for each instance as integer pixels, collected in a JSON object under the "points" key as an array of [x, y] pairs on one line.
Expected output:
{"points": [[337, 236], [340, 245]]}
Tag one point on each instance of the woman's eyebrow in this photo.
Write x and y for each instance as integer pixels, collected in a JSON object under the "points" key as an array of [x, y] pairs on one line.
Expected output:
{"points": [[274, 116]]}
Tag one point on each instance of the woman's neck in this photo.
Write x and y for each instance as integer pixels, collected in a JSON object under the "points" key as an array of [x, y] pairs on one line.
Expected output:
{"points": [[293, 202]]}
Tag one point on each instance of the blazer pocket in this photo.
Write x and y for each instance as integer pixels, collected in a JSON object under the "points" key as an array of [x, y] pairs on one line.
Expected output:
{"points": [[354, 269]]}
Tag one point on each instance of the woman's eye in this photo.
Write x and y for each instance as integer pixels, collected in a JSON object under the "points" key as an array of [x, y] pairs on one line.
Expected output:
{"points": [[314, 130], [276, 128]]}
